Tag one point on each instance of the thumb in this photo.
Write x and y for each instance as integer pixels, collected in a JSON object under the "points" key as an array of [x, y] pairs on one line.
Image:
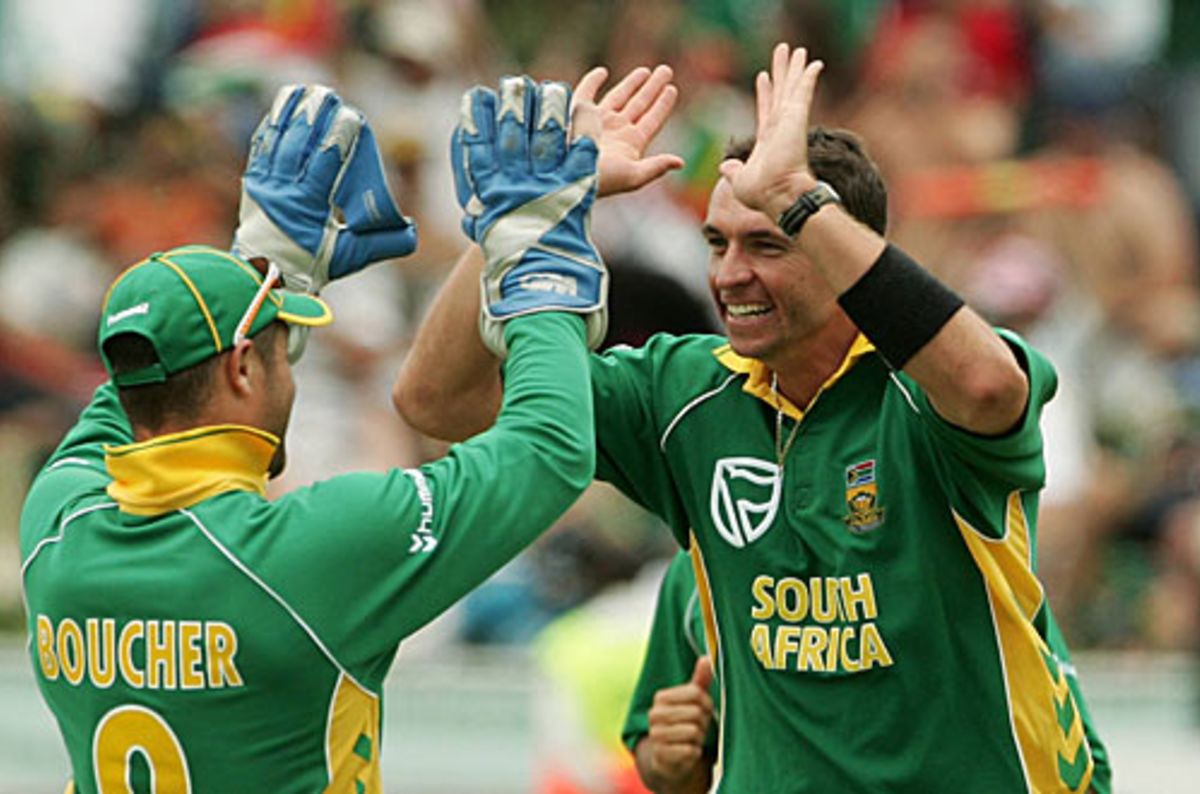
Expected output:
{"points": [[729, 168], [702, 674]]}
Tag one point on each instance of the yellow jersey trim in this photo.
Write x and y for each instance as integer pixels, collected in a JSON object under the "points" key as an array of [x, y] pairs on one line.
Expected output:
{"points": [[352, 740], [178, 470], [1050, 738], [759, 381], [713, 638]]}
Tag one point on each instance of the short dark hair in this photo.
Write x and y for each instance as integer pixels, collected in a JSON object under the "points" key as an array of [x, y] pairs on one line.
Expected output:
{"points": [[182, 396], [839, 158]]}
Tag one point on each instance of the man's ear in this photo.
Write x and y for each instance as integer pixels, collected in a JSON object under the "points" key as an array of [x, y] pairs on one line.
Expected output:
{"points": [[239, 367]]}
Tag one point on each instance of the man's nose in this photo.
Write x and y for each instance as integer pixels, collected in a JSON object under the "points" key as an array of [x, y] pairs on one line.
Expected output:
{"points": [[731, 268]]}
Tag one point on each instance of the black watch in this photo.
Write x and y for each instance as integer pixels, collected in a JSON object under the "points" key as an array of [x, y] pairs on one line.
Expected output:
{"points": [[793, 218]]}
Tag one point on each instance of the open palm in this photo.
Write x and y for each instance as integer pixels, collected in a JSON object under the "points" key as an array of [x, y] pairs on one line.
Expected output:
{"points": [[777, 170], [631, 115]]}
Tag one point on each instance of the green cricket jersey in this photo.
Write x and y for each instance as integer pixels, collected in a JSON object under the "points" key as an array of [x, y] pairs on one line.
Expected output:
{"points": [[677, 640], [187, 630], [878, 625]]}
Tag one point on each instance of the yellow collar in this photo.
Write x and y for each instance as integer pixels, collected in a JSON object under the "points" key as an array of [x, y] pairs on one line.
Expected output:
{"points": [[759, 381], [180, 469]]}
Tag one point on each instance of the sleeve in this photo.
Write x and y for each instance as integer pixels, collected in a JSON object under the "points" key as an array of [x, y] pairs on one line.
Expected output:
{"points": [[626, 386], [671, 652], [395, 549], [979, 471], [75, 469]]}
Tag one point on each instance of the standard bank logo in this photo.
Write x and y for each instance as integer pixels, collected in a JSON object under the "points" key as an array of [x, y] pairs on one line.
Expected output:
{"points": [[744, 498]]}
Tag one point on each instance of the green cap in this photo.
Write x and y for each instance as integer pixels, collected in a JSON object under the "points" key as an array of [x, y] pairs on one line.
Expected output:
{"points": [[194, 302]]}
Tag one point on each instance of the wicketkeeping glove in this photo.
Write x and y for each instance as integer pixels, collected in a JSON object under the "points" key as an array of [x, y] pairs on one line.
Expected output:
{"points": [[526, 190], [315, 200]]}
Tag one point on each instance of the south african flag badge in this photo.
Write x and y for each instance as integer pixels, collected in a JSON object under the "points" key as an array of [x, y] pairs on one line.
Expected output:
{"points": [[862, 497]]}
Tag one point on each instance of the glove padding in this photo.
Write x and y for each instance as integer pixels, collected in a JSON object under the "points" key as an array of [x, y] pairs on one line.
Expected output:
{"points": [[526, 190], [315, 200]]}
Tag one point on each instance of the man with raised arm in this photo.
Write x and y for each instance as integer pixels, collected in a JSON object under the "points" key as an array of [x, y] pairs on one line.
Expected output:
{"points": [[190, 634], [855, 468]]}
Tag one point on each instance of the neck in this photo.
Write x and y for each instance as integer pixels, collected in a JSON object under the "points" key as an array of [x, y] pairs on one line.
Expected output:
{"points": [[806, 365]]}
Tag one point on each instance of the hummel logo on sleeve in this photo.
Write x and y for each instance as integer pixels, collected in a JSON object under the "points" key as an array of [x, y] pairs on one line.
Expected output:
{"points": [[423, 540]]}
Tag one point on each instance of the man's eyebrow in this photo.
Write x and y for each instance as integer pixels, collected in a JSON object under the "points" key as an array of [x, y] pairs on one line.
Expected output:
{"points": [[758, 235], [767, 235]]}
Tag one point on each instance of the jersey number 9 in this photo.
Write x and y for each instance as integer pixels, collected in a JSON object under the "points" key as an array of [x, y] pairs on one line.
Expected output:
{"points": [[128, 729]]}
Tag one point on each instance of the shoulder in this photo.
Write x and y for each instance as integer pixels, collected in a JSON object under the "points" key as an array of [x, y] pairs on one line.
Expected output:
{"points": [[667, 348], [63, 488], [667, 361], [666, 374]]}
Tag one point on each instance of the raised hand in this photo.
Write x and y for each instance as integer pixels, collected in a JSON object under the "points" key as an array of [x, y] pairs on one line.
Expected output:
{"points": [[631, 115], [315, 199], [526, 184], [777, 170]]}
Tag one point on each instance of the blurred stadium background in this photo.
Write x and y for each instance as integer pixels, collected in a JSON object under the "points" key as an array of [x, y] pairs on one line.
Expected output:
{"points": [[1044, 159]]}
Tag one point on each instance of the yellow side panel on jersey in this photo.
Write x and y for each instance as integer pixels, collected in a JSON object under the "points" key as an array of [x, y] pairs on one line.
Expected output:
{"points": [[352, 741], [713, 638], [1046, 724]]}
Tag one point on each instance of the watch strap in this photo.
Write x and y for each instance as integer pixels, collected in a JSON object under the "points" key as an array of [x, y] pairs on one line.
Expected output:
{"points": [[792, 220]]}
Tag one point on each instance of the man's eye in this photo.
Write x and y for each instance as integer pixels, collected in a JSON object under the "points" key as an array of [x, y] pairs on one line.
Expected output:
{"points": [[768, 248]]}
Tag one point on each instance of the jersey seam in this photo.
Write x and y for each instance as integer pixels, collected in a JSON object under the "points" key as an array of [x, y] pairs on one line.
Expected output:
{"points": [[254, 577], [662, 442], [74, 461], [41, 544], [908, 398], [62, 528], [692, 641]]}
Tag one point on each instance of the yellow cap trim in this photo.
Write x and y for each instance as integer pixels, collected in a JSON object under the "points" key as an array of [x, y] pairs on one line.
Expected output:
{"points": [[208, 318], [118, 280]]}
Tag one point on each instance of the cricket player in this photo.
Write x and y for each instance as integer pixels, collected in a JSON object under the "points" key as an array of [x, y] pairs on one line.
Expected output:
{"points": [[855, 469], [190, 635]]}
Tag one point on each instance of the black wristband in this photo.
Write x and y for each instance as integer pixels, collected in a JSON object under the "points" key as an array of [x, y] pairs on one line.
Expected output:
{"points": [[899, 306]]}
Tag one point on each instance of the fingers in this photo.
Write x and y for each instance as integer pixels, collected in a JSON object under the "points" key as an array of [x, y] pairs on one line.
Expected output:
{"points": [[702, 673], [648, 93], [684, 734], [729, 168], [588, 85], [515, 106], [585, 119], [339, 132], [548, 140], [653, 120], [684, 702], [651, 168], [762, 99], [616, 98], [303, 129], [779, 70]]}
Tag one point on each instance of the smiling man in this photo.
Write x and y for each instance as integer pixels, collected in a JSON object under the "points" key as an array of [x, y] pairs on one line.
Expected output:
{"points": [[855, 468]]}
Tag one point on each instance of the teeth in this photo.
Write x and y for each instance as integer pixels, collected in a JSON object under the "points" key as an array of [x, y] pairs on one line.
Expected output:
{"points": [[747, 309]]}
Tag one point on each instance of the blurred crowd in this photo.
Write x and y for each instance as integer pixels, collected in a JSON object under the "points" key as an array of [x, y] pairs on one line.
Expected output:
{"points": [[1043, 158]]}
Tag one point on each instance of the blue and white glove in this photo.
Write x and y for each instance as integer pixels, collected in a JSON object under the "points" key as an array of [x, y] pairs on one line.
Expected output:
{"points": [[527, 189], [315, 200]]}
